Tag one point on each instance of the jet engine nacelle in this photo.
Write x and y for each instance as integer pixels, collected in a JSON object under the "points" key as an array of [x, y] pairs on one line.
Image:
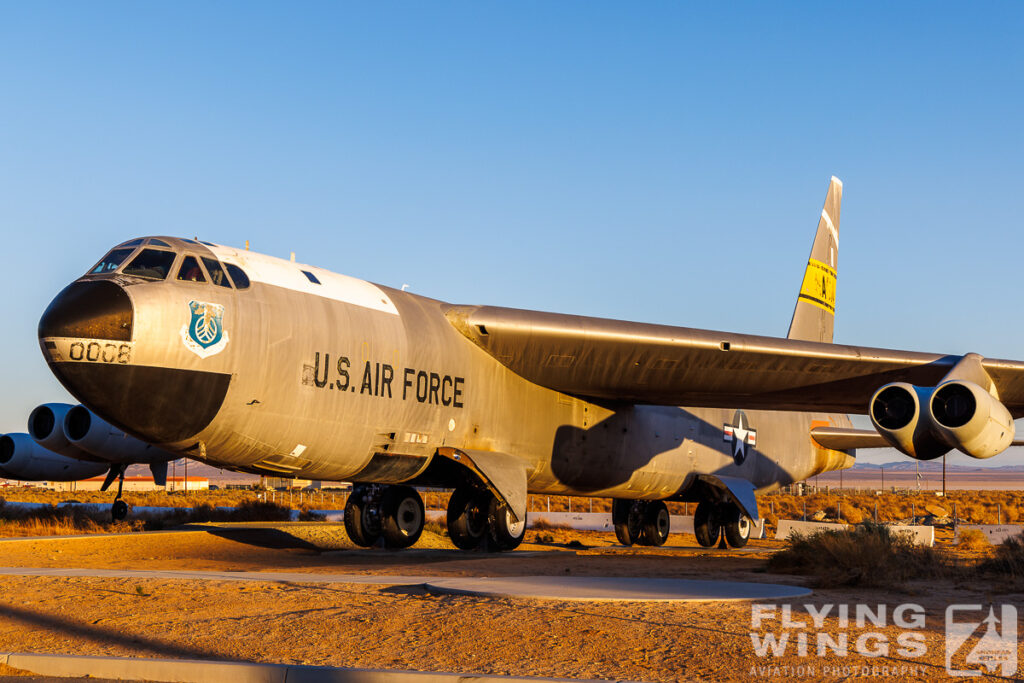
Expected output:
{"points": [[971, 419], [24, 459], [46, 426], [896, 412], [926, 422], [92, 434]]}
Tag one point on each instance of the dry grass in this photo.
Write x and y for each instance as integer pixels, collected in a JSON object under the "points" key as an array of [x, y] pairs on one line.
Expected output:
{"points": [[867, 555], [1007, 561], [973, 540], [78, 519]]}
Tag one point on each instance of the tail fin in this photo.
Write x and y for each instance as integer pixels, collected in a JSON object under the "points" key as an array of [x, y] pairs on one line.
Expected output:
{"points": [[815, 311]]}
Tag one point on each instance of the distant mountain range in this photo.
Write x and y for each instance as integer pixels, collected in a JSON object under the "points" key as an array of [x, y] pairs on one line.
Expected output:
{"points": [[932, 466]]}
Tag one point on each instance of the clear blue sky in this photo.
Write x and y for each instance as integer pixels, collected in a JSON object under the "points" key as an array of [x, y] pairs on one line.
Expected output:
{"points": [[662, 162]]}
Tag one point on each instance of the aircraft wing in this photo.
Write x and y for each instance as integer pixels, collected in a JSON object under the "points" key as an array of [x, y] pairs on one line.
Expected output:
{"points": [[656, 364]]}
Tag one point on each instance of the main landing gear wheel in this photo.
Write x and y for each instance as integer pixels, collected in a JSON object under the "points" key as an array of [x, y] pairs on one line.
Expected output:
{"points": [[735, 525], [707, 526], [467, 517], [402, 516], [504, 532], [362, 516], [656, 523], [628, 518]]}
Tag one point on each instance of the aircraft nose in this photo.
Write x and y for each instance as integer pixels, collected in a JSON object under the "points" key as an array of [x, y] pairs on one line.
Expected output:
{"points": [[86, 334], [89, 310]]}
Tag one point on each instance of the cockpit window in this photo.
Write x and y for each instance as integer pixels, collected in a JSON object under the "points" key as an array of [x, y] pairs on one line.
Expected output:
{"points": [[151, 263], [159, 243], [190, 270], [238, 276], [110, 262], [312, 278], [131, 243], [217, 274]]}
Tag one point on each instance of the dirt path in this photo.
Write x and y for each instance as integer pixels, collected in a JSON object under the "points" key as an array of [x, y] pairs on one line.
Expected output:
{"points": [[406, 628]]}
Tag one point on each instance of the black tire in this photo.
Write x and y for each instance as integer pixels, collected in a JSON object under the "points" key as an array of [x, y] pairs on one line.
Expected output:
{"points": [[706, 525], [357, 518], [503, 532], [402, 516], [656, 523], [119, 510], [627, 516], [467, 517], [736, 526]]}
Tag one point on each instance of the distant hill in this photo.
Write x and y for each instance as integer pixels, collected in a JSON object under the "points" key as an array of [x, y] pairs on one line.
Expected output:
{"points": [[933, 466]]}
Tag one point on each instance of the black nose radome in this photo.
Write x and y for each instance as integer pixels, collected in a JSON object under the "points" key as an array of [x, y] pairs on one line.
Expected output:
{"points": [[89, 310]]}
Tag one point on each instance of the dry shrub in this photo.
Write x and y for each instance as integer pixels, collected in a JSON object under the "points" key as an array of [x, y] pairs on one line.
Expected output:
{"points": [[1008, 559], [541, 524], [61, 521], [853, 515], [868, 555], [435, 527], [973, 539]]}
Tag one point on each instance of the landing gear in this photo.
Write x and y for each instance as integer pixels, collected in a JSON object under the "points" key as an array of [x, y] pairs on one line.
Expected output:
{"points": [[628, 518], [640, 522], [725, 521], [467, 517], [707, 526], [393, 513], [476, 518], [119, 510], [403, 516], [735, 526], [504, 532], [656, 523]]}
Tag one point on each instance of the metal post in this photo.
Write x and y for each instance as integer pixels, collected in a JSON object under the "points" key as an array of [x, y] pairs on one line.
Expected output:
{"points": [[186, 476], [839, 511], [876, 512], [999, 513], [549, 503], [943, 476], [805, 511]]}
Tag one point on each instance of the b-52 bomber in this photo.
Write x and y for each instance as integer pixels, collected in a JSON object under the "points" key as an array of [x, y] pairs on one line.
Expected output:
{"points": [[263, 365]]}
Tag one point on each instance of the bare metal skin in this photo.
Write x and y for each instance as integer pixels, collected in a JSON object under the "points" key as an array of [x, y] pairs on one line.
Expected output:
{"points": [[327, 377]]}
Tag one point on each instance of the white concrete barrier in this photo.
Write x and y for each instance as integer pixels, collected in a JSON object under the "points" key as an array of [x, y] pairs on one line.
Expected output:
{"points": [[788, 527], [919, 534], [996, 533]]}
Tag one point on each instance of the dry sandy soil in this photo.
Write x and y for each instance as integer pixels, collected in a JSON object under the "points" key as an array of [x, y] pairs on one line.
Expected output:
{"points": [[408, 628]]}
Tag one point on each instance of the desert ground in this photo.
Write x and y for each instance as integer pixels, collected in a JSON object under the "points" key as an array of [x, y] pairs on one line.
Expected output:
{"points": [[358, 625]]}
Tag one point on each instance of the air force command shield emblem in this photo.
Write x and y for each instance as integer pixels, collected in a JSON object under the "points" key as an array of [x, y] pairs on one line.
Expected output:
{"points": [[204, 333]]}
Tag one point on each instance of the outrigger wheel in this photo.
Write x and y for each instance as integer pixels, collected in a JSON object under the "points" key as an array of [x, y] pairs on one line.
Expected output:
{"points": [[119, 510]]}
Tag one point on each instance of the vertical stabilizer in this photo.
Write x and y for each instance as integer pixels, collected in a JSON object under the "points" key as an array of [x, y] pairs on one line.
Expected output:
{"points": [[815, 310]]}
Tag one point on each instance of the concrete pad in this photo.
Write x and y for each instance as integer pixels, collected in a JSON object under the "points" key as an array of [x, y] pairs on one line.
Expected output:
{"points": [[996, 533], [273, 577], [788, 527], [613, 589], [200, 671]]}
